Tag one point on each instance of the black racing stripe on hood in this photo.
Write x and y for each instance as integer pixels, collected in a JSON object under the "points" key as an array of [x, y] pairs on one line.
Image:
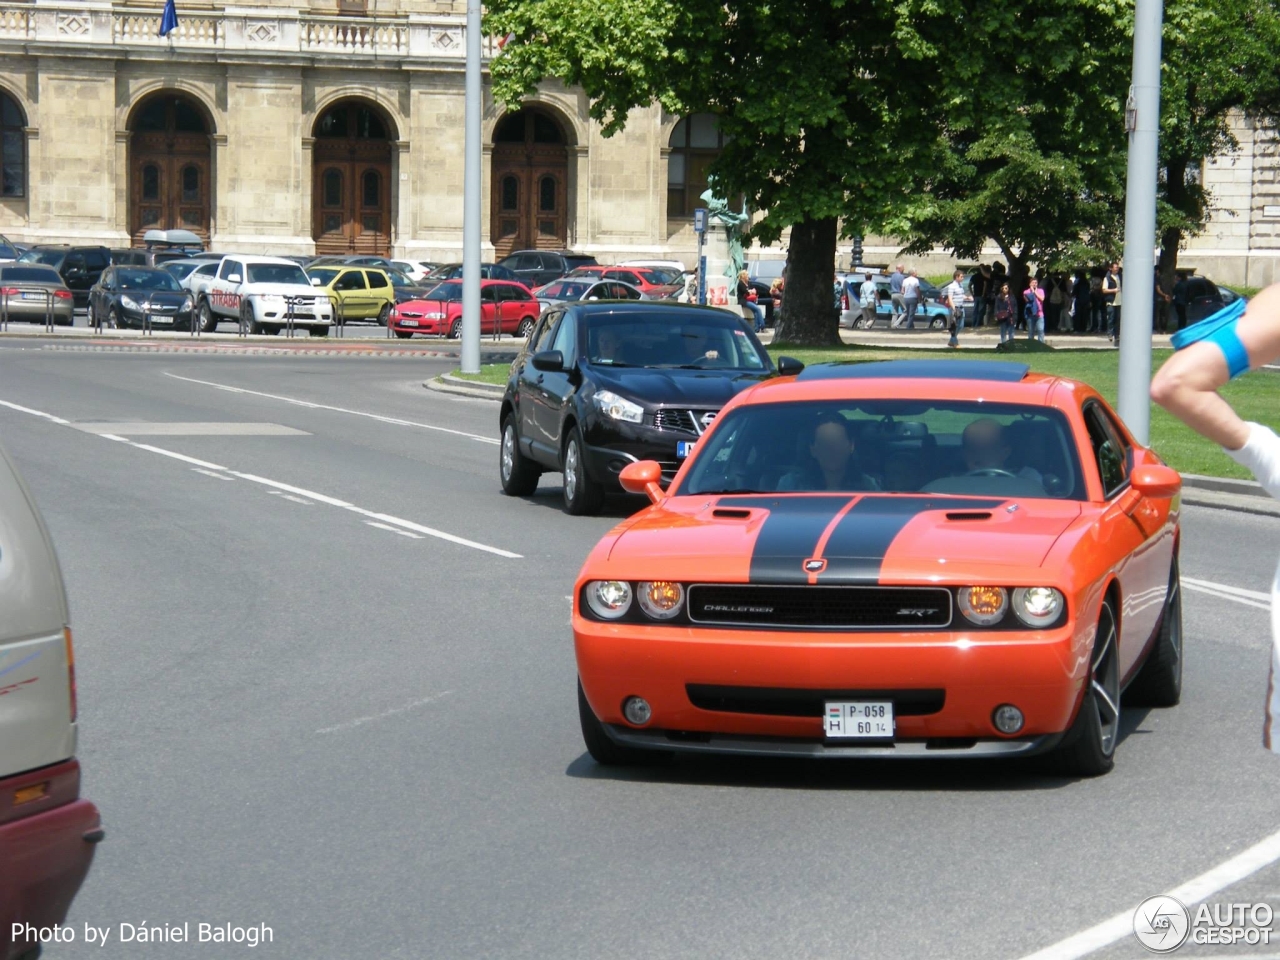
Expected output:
{"points": [[858, 544], [790, 533]]}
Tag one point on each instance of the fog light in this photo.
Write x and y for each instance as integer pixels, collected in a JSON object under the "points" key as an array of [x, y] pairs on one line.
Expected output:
{"points": [[638, 712], [1008, 718]]}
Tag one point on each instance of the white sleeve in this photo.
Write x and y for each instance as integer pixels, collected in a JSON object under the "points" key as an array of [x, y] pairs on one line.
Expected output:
{"points": [[1261, 454]]}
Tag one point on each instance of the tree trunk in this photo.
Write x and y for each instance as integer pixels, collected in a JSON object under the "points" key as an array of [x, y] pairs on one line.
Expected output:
{"points": [[809, 315], [1175, 184]]}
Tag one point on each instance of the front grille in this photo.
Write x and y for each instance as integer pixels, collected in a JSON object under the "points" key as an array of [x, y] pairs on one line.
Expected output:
{"points": [[683, 421], [820, 607], [786, 702]]}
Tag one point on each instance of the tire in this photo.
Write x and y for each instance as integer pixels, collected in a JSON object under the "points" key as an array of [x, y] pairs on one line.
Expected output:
{"points": [[403, 334], [113, 319], [583, 497], [1159, 682], [602, 749], [938, 323], [384, 315], [249, 320], [1088, 749], [318, 331], [208, 322], [518, 473], [525, 328], [455, 329], [88, 315]]}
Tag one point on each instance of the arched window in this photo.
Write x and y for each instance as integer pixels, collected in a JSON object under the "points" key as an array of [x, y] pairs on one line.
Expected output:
{"points": [[372, 187], [333, 188], [150, 182], [510, 193], [695, 142], [547, 194], [190, 184], [13, 149]]}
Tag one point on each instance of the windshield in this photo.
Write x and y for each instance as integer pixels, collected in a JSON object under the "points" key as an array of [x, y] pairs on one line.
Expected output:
{"points": [[565, 290], [444, 272], [180, 269], [30, 275], [322, 276], [893, 446], [146, 280], [50, 257], [445, 291], [661, 275], [673, 341], [585, 272], [277, 273]]}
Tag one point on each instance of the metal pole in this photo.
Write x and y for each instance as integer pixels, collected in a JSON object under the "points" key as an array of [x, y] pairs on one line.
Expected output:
{"points": [[471, 200], [1142, 120]]}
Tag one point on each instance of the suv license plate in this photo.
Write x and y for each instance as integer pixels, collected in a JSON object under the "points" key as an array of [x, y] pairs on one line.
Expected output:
{"points": [[858, 721], [684, 448]]}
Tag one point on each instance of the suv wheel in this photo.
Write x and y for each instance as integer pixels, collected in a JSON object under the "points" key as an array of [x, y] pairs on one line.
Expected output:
{"points": [[519, 474], [1089, 747], [208, 322], [248, 320], [455, 329], [582, 495]]}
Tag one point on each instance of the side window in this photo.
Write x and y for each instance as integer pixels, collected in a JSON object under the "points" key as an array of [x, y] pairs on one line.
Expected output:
{"points": [[74, 261], [108, 278], [488, 295], [1108, 451], [208, 270], [97, 259], [566, 340], [378, 280], [526, 261], [351, 280], [228, 268], [551, 262], [541, 339], [625, 293]]}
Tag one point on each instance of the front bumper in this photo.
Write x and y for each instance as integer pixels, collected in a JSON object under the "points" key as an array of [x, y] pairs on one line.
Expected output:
{"points": [[437, 327], [610, 447], [170, 319], [1043, 674]]}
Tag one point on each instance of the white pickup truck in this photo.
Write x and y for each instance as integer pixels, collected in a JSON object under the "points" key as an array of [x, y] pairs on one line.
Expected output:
{"points": [[258, 292]]}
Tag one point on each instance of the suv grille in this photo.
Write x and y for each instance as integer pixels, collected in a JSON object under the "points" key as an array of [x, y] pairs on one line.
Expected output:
{"points": [[820, 607], [685, 421], [787, 702]]}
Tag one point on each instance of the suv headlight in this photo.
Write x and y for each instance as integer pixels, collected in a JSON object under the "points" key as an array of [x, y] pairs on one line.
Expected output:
{"points": [[660, 599], [618, 408], [129, 303], [1038, 606], [609, 599], [984, 606]]}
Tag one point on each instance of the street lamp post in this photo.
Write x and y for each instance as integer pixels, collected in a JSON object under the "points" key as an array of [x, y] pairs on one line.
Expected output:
{"points": [[471, 199], [1142, 121]]}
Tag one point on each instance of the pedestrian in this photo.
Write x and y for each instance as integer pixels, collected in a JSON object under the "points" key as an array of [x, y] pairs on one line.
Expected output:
{"points": [[899, 310], [747, 299], [1187, 386], [1080, 299], [867, 300], [775, 290], [953, 299], [1115, 305], [978, 287], [1181, 291], [1004, 313], [1097, 309], [1163, 300], [1034, 311], [1053, 302], [910, 298], [1110, 287]]}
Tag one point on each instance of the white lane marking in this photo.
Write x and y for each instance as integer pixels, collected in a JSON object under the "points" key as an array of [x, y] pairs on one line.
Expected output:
{"points": [[397, 421], [1249, 598], [302, 492], [1261, 854], [190, 429], [34, 413], [290, 496], [360, 721], [211, 473], [396, 530]]}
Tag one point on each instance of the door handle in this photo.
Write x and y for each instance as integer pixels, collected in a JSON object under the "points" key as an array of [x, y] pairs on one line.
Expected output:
{"points": [[541, 377]]}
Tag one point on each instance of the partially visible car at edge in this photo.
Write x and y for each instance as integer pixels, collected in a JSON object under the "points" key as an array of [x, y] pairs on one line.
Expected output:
{"points": [[572, 289], [534, 268], [29, 291], [453, 271], [127, 296], [359, 293], [80, 267]]}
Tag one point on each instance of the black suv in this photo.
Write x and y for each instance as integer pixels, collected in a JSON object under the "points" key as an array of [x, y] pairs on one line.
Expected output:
{"points": [[534, 268], [600, 385], [79, 267]]}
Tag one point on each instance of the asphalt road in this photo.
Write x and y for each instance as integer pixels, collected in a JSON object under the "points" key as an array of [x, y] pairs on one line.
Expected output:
{"points": [[317, 691]]}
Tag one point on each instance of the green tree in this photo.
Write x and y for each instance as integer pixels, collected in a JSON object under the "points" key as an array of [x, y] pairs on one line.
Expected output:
{"points": [[1219, 61], [825, 106]]}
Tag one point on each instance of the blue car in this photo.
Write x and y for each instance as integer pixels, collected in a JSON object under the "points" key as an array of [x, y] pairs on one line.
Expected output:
{"points": [[929, 313]]}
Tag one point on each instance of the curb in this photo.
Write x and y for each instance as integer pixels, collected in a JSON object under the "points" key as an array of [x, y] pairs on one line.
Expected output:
{"points": [[1263, 506], [448, 383], [1243, 488], [247, 351]]}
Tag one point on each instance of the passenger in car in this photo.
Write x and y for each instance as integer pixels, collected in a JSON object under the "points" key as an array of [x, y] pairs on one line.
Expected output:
{"points": [[833, 464]]}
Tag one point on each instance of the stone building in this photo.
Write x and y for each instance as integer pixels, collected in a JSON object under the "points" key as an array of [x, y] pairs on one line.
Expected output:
{"points": [[337, 125]]}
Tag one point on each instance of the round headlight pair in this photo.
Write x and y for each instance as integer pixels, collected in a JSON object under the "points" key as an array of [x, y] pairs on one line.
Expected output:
{"points": [[611, 599], [1034, 606]]}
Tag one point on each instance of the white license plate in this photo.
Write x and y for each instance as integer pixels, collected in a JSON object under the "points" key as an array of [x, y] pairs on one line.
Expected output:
{"points": [[858, 721], [684, 448], [408, 323], [33, 296]]}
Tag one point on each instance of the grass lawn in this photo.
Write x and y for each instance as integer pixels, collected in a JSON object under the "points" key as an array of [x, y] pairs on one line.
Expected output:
{"points": [[1253, 395]]}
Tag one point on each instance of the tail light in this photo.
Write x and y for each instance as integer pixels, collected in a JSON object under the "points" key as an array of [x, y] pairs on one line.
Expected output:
{"points": [[844, 302], [8, 291], [71, 672], [62, 294]]}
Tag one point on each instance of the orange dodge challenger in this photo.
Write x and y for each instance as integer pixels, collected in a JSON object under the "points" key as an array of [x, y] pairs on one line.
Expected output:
{"points": [[920, 558]]}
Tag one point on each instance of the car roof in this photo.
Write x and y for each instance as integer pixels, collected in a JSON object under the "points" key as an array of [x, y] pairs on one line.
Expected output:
{"points": [[254, 258], [140, 268], [998, 370], [686, 311]]}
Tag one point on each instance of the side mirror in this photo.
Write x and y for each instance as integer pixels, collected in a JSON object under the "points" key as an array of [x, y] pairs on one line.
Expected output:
{"points": [[233, 278], [789, 366], [1155, 481], [549, 361], [315, 281], [643, 477]]}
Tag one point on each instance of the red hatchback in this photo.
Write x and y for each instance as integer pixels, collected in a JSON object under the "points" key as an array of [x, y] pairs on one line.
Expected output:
{"points": [[505, 307], [649, 282]]}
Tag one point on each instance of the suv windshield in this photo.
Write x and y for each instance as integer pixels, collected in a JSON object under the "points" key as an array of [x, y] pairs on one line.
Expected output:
{"points": [[53, 258], [322, 276], [673, 341], [445, 291], [566, 289], [277, 273], [146, 280], [892, 446]]}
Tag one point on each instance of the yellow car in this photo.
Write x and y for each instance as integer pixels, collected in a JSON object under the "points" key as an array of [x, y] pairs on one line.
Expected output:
{"points": [[360, 293]]}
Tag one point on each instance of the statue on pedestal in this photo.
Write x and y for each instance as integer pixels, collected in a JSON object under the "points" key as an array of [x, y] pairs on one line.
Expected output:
{"points": [[718, 212]]}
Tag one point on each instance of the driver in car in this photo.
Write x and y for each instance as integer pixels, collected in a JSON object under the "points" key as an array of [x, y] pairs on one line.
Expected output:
{"points": [[986, 452], [832, 465]]}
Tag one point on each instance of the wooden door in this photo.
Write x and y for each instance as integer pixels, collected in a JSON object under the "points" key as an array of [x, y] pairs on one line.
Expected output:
{"points": [[529, 200], [169, 184], [352, 198]]}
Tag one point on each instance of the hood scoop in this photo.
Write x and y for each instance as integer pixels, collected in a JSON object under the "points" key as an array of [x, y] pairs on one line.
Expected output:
{"points": [[969, 515], [731, 513]]}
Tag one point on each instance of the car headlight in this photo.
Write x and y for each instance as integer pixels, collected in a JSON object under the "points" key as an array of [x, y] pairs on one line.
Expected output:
{"points": [[660, 599], [618, 408], [186, 305], [270, 297], [984, 606], [129, 303], [434, 316], [1038, 606], [609, 599]]}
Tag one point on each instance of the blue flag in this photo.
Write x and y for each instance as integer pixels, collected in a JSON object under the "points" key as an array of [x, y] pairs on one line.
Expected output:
{"points": [[169, 21]]}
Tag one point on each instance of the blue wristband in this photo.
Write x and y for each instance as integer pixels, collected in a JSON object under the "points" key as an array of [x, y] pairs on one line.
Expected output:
{"points": [[1220, 330]]}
